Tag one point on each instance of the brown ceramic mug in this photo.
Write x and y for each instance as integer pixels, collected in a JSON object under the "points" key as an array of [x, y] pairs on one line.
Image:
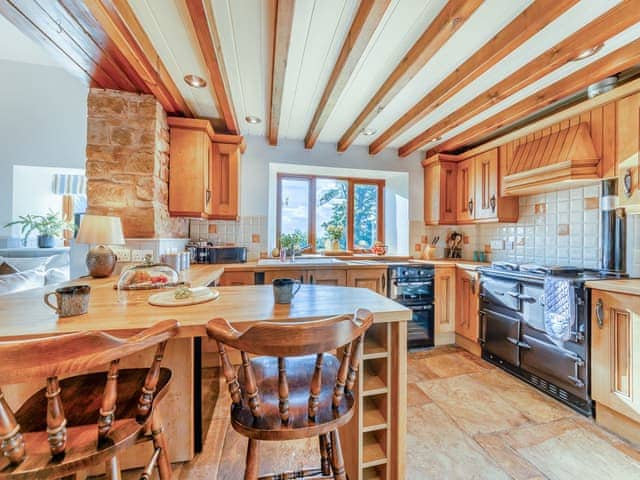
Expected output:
{"points": [[70, 301]]}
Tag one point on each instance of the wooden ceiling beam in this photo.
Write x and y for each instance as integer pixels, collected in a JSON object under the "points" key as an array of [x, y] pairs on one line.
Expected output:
{"points": [[204, 26], [621, 59], [533, 19], [365, 23], [607, 25], [281, 40], [449, 20], [122, 27]]}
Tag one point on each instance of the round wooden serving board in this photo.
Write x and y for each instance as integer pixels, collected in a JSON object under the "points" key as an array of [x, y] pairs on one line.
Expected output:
{"points": [[167, 299]]}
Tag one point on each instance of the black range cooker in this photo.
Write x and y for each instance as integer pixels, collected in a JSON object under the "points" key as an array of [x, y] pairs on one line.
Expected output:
{"points": [[513, 334]]}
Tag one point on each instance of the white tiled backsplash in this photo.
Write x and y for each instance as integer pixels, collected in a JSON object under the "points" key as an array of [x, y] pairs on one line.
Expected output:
{"points": [[556, 228], [250, 232]]}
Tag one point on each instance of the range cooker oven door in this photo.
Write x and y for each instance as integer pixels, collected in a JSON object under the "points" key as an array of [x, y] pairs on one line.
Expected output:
{"points": [[500, 336], [500, 292], [562, 367], [420, 327]]}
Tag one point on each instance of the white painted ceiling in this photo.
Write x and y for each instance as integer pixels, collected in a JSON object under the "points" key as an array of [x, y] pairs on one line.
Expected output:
{"points": [[15, 46], [319, 28]]}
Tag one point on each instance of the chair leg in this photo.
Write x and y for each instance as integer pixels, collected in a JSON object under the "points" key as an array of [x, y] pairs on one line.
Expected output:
{"points": [[337, 460], [252, 465], [160, 441], [112, 467], [325, 466]]}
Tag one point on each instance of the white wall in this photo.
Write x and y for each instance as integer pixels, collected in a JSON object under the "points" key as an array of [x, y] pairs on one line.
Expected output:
{"points": [[43, 122], [255, 197]]}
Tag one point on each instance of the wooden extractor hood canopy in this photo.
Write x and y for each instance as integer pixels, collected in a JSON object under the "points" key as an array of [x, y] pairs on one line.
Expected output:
{"points": [[559, 160]]}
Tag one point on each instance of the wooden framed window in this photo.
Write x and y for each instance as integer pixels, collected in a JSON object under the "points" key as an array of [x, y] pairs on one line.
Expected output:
{"points": [[315, 206]]}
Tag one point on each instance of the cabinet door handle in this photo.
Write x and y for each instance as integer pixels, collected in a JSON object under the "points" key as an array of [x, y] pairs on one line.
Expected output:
{"points": [[384, 282], [311, 279], [470, 205], [600, 313], [492, 202], [208, 197], [473, 286]]}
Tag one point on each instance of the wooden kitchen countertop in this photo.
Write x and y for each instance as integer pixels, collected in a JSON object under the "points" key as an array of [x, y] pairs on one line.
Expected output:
{"points": [[453, 262], [629, 286], [24, 314]]}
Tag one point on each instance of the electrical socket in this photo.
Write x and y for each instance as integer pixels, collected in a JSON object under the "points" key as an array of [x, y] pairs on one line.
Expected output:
{"points": [[123, 253], [497, 245], [138, 255], [508, 245]]}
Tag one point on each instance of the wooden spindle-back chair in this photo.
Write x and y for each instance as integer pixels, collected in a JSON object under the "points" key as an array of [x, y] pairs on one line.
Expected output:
{"points": [[77, 422], [297, 388]]}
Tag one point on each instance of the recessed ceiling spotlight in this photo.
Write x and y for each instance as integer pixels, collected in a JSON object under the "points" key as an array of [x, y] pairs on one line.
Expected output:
{"points": [[456, 21], [589, 52], [195, 81], [437, 139], [252, 119], [367, 132]]}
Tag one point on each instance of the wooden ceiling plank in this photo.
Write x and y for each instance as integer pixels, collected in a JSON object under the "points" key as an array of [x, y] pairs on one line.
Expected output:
{"points": [[447, 22], [123, 28], [533, 19], [26, 26], [83, 17], [281, 41], [209, 43], [365, 23], [607, 25], [616, 61], [72, 27]]}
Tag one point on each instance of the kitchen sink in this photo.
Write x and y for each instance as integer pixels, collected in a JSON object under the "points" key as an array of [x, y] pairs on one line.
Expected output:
{"points": [[301, 261]]}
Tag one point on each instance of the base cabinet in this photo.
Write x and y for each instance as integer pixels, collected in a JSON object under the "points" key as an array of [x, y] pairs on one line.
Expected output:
{"points": [[337, 278], [444, 289], [372, 278], [467, 304], [236, 279], [615, 353]]}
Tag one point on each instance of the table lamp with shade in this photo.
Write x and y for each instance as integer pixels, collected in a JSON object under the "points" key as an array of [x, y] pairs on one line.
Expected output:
{"points": [[99, 231]]}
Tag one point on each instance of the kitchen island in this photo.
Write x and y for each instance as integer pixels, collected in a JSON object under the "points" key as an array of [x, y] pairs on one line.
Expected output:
{"points": [[373, 441]]}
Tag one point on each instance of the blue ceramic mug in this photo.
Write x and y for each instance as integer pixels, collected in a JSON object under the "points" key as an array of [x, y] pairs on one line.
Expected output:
{"points": [[284, 289]]}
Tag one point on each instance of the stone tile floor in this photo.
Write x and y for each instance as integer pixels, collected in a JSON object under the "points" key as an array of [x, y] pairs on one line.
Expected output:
{"points": [[468, 420]]}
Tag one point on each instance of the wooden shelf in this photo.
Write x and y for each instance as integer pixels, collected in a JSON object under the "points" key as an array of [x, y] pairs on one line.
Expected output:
{"points": [[375, 473], [374, 349], [375, 376], [373, 385], [374, 413], [373, 450]]}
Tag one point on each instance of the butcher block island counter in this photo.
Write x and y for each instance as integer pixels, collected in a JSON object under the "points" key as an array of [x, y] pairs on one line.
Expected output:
{"points": [[373, 442]]}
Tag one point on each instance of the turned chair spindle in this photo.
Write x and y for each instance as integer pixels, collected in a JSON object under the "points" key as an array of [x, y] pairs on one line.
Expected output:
{"points": [[82, 410], [290, 385]]}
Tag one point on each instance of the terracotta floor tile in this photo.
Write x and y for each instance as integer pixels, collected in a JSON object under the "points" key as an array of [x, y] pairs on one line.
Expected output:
{"points": [[416, 396], [580, 454], [472, 405], [451, 365], [533, 404], [417, 371], [438, 449], [507, 458]]}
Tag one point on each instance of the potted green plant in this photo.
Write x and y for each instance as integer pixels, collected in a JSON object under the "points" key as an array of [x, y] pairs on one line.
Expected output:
{"points": [[49, 227], [293, 241]]}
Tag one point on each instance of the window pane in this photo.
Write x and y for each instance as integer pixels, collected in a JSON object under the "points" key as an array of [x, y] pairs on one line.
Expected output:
{"points": [[365, 215], [331, 212], [294, 205]]}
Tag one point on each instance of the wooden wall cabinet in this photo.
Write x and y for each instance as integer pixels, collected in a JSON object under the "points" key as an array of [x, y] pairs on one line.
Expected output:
{"points": [[466, 191], [467, 304], [440, 180], [628, 149], [615, 361], [204, 170]]}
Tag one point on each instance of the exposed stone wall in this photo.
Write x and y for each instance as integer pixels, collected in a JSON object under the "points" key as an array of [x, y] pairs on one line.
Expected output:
{"points": [[128, 163]]}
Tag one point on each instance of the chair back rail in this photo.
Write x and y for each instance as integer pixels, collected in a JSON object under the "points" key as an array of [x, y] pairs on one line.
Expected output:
{"points": [[289, 339], [51, 357]]}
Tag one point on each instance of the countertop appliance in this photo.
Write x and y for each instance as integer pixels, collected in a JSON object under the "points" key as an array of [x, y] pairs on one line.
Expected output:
{"points": [[513, 334], [412, 286], [202, 252]]}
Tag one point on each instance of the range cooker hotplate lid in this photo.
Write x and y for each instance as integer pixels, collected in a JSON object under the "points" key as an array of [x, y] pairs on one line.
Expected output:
{"points": [[536, 269]]}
